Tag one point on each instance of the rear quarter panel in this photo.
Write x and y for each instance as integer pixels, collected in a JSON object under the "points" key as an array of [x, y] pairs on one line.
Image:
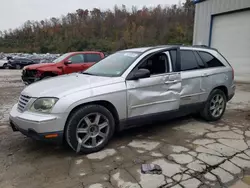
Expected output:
{"points": [[217, 76]]}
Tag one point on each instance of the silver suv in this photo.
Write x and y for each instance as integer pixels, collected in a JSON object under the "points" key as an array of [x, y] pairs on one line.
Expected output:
{"points": [[126, 89]]}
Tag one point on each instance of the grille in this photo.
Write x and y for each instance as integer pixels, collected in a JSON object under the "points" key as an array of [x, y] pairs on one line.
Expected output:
{"points": [[29, 73], [22, 103]]}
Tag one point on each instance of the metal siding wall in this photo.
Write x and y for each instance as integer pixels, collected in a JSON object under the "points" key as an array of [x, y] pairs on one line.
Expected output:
{"points": [[204, 11]]}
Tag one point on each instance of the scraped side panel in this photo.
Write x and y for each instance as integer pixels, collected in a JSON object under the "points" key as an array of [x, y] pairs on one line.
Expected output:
{"points": [[153, 95]]}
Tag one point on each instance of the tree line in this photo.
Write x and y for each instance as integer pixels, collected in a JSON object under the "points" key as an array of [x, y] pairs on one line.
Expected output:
{"points": [[108, 30]]}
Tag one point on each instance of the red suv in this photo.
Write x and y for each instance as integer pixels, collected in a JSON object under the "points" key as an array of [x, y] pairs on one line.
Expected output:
{"points": [[65, 64]]}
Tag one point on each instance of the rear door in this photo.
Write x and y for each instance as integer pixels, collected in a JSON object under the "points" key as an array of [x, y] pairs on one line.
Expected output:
{"points": [[91, 58], [213, 75], [158, 93], [191, 73]]}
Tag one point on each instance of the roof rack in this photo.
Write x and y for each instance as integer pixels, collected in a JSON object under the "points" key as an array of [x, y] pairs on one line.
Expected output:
{"points": [[204, 46]]}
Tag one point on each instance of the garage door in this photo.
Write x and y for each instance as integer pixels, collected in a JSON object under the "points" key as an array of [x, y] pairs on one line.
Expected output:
{"points": [[231, 36]]}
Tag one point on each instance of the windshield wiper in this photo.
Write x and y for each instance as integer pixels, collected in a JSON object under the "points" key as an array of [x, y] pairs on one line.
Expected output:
{"points": [[86, 73]]}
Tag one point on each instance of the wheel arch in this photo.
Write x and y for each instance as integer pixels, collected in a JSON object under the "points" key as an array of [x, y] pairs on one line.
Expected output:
{"points": [[103, 103], [222, 88]]}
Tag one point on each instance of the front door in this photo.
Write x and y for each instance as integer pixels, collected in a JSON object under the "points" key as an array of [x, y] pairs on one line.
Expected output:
{"points": [[158, 93], [77, 62]]}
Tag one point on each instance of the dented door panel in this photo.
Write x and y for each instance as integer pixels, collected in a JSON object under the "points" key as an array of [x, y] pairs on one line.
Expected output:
{"points": [[191, 87], [158, 93]]}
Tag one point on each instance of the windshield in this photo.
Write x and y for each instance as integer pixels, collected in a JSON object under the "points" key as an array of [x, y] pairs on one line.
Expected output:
{"points": [[113, 65], [61, 58]]}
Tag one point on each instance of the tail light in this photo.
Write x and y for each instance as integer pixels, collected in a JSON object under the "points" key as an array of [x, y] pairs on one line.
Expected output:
{"points": [[232, 73]]}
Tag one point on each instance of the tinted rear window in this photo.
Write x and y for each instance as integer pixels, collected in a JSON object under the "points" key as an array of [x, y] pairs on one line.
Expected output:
{"points": [[210, 60], [93, 57]]}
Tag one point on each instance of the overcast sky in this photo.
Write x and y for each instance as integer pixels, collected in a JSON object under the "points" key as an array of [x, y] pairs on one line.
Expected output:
{"points": [[13, 13]]}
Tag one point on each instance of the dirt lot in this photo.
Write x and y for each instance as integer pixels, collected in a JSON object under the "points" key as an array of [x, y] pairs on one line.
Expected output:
{"points": [[192, 153]]}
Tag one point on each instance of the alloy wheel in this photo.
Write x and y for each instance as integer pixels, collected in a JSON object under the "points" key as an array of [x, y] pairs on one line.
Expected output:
{"points": [[92, 130], [217, 105]]}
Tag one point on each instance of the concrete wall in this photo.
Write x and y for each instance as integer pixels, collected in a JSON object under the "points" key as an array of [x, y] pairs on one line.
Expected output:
{"points": [[203, 12]]}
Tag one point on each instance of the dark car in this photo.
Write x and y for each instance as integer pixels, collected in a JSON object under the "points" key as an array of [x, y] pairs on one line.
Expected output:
{"points": [[19, 63]]}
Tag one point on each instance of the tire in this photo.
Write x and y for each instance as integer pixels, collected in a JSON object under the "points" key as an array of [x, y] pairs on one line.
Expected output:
{"points": [[5, 66], [214, 104], [81, 131], [18, 67]]}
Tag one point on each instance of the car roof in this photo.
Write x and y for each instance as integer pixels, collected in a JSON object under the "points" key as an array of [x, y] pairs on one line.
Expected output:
{"points": [[83, 52], [144, 49]]}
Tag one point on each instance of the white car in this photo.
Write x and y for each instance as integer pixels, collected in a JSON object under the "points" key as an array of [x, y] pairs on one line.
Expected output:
{"points": [[125, 89], [3, 63]]}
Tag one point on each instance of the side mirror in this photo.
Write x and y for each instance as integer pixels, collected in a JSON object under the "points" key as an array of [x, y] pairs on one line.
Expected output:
{"points": [[67, 62], [141, 73]]}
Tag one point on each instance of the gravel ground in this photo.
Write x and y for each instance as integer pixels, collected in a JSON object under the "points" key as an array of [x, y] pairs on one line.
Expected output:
{"points": [[191, 152]]}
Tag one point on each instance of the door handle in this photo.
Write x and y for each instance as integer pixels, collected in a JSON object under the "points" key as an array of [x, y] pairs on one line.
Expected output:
{"points": [[205, 75], [171, 82]]}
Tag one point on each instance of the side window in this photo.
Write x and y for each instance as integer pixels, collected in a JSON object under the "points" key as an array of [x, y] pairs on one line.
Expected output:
{"points": [[156, 64], [201, 64], [188, 60], [210, 60], [79, 58], [93, 57]]}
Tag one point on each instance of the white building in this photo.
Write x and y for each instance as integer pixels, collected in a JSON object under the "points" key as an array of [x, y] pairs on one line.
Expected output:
{"points": [[225, 25]]}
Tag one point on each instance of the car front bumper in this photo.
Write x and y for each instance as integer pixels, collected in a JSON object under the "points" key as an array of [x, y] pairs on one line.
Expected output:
{"points": [[29, 76], [44, 127], [28, 80]]}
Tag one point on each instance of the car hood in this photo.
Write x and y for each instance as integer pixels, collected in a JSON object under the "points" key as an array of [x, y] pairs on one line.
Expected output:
{"points": [[39, 65], [60, 86]]}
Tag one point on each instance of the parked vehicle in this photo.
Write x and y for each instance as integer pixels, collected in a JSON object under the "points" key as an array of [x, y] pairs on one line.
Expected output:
{"points": [[20, 62], [4, 63], [128, 88], [65, 64]]}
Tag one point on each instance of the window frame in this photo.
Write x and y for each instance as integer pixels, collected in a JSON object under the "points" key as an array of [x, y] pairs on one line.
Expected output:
{"points": [[166, 68], [164, 51], [87, 58], [198, 58], [199, 51], [198, 66], [83, 55]]}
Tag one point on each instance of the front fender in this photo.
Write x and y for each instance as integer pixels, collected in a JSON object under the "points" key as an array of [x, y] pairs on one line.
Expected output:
{"points": [[56, 71], [117, 98]]}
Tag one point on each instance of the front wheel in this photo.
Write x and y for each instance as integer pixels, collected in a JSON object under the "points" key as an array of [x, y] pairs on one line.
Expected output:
{"points": [[215, 106], [5, 66], [89, 129]]}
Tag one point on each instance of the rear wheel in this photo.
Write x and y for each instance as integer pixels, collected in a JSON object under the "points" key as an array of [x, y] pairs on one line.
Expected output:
{"points": [[5, 66], [18, 67], [89, 129], [215, 106]]}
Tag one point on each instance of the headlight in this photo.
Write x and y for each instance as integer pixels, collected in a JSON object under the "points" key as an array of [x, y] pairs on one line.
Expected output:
{"points": [[43, 105]]}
